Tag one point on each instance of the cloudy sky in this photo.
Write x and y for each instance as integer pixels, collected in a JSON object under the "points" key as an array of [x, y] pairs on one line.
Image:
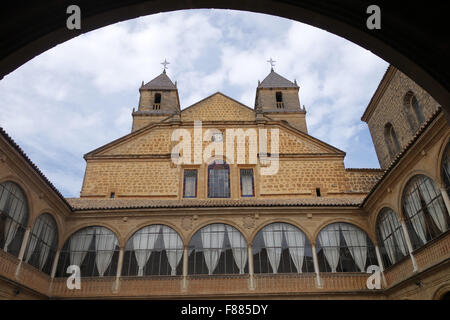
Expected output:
{"points": [[80, 95]]}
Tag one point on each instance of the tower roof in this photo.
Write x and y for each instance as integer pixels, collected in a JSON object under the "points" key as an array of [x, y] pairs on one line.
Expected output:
{"points": [[274, 80], [161, 82]]}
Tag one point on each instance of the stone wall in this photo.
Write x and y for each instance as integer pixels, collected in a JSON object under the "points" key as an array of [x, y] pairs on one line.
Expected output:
{"points": [[390, 108]]}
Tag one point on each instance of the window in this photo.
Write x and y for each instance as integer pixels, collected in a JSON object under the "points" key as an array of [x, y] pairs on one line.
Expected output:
{"points": [[343, 247], [112, 195], [42, 243], [282, 248], [190, 184], [446, 169], [13, 217], [247, 187], [414, 113], [94, 249], [218, 180], [391, 140], [217, 137], [390, 237], [153, 250], [279, 99], [157, 101], [426, 214], [218, 249], [318, 194]]}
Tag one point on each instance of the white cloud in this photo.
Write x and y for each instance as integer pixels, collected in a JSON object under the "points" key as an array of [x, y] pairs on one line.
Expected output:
{"points": [[80, 94]]}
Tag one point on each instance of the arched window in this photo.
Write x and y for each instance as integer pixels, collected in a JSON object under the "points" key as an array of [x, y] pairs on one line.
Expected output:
{"points": [[42, 243], [391, 240], [13, 217], [414, 113], [343, 247], [153, 250], [446, 169], [282, 248], [94, 249], [218, 180], [426, 215], [218, 249], [390, 137]]}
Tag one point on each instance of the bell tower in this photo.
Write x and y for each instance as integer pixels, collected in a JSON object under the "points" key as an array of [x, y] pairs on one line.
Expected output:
{"points": [[277, 98], [158, 100]]}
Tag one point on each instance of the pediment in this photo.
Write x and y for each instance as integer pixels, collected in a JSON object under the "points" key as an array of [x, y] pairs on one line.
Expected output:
{"points": [[218, 107]]}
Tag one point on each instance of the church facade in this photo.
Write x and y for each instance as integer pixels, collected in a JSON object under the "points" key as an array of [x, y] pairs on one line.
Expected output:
{"points": [[219, 200]]}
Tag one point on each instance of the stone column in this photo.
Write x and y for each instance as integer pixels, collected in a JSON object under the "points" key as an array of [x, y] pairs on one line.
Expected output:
{"points": [[445, 197], [316, 266], [119, 271], [409, 244], [55, 263], [185, 268], [22, 251], [380, 264], [24, 243], [250, 268]]}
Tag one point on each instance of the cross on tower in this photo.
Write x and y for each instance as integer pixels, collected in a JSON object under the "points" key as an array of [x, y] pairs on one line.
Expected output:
{"points": [[272, 63], [165, 63]]}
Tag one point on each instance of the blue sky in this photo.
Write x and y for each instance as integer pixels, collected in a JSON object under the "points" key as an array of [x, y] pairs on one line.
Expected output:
{"points": [[80, 95]]}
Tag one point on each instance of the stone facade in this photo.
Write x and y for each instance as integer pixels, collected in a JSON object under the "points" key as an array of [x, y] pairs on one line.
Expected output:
{"points": [[148, 187], [388, 106]]}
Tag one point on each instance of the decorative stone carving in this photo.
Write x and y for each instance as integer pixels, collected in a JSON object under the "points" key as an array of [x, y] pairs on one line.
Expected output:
{"points": [[186, 223], [249, 222]]}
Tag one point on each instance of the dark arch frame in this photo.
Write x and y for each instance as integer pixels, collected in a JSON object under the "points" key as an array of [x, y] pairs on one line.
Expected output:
{"points": [[413, 40], [226, 263], [261, 261], [345, 262], [15, 202], [88, 266], [42, 246], [157, 263]]}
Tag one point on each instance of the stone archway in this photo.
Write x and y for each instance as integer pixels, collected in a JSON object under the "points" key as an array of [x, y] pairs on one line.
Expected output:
{"points": [[413, 39]]}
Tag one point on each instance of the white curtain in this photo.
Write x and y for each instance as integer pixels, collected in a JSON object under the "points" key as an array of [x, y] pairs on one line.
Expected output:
{"points": [[239, 248], [105, 243], [388, 238], [44, 231], [356, 240], [272, 235], [79, 245], [48, 236], [13, 203], [401, 242], [189, 184], [296, 243], [173, 246], [412, 207], [212, 241], [330, 242], [247, 183], [435, 207], [143, 243]]}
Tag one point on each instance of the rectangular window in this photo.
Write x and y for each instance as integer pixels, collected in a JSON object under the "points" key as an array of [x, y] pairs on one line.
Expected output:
{"points": [[247, 187], [190, 184], [218, 181]]}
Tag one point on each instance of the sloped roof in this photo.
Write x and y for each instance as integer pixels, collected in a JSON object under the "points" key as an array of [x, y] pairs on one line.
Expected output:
{"points": [[80, 204], [274, 80], [161, 82]]}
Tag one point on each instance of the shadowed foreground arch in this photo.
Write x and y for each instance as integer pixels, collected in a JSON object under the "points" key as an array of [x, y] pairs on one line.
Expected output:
{"points": [[412, 37]]}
